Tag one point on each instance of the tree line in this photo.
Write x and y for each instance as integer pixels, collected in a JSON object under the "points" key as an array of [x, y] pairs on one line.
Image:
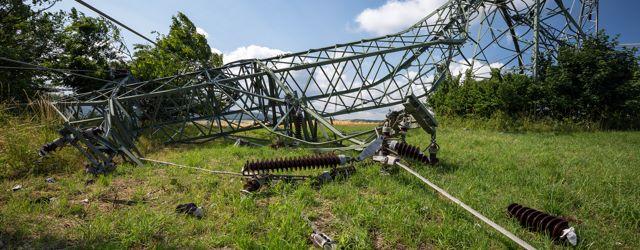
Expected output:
{"points": [[92, 46], [594, 83]]}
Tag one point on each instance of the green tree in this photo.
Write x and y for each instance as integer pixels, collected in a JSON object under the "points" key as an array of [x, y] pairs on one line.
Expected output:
{"points": [[73, 41], [182, 50], [595, 82], [27, 33], [92, 46]]}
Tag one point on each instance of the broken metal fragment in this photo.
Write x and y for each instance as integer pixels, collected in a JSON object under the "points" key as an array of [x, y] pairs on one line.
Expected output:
{"points": [[190, 209], [323, 241], [319, 239]]}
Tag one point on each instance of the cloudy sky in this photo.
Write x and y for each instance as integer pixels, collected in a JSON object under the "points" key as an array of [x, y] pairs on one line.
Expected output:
{"points": [[259, 28]]}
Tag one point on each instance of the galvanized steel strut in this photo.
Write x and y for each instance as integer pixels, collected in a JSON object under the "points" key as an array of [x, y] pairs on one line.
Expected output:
{"points": [[295, 96]]}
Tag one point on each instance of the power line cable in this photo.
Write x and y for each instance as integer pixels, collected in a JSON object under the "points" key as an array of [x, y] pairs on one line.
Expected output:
{"points": [[34, 68], [196, 168], [630, 45], [70, 71], [115, 21], [54, 70], [85, 4]]}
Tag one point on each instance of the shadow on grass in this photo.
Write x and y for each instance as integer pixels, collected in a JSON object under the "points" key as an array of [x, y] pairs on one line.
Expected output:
{"points": [[18, 239], [445, 167], [276, 187], [442, 167], [22, 240]]}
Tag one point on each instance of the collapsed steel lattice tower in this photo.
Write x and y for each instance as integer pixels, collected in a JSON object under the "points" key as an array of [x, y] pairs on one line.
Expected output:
{"points": [[293, 95]]}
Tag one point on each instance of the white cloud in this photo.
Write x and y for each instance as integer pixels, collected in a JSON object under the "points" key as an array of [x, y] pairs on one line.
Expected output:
{"points": [[203, 32], [376, 114], [521, 4], [216, 51], [395, 15], [250, 52], [480, 69]]}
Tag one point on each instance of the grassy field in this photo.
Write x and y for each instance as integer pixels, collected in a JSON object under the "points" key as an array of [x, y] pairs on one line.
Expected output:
{"points": [[592, 178]]}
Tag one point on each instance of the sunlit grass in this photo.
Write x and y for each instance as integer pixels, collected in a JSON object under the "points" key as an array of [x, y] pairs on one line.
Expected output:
{"points": [[591, 178]]}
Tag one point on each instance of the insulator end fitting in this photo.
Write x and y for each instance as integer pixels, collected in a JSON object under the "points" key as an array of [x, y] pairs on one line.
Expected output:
{"points": [[252, 185], [386, 130]]}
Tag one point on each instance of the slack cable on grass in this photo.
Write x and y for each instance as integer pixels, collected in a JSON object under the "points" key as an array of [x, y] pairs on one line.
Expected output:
{"points": [[394, 160], [386, 148], [390, 151]]}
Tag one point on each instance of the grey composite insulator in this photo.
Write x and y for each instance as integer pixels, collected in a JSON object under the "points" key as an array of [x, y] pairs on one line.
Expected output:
{"points": [[291, 164], [409, 151], [538, 221]]}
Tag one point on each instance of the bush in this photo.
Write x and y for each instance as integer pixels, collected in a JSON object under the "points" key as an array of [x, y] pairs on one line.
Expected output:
{"points": [[590, 84], [509, 94]]}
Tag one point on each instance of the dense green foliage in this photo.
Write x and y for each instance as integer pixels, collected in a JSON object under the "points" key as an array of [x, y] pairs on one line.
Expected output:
{"points": [[93, 46], [27, 33], [180, 51], [595, 83], [87, 46]]}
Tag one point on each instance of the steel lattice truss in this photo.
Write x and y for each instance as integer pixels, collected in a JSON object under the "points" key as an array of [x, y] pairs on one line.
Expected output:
{"points": [[294, 95]]}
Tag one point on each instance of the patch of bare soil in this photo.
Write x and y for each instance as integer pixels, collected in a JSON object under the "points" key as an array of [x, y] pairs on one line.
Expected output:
{"points": [[377, 239], [120, 193], [325, 217]]}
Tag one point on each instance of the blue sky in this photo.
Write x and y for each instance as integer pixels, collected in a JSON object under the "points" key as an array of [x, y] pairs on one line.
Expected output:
{"points": [[267, 27], [261, 28], [285, 25]]}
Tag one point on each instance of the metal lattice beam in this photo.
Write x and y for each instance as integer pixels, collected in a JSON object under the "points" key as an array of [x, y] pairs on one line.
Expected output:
{"points": [[295, 95]]}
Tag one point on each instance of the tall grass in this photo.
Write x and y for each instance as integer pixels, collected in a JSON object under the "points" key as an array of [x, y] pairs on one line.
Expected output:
{"points": [[23, 130], [503, 123]]}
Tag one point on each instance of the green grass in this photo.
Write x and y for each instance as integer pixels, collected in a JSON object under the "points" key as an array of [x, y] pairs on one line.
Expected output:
{"points": [[590, 177]]}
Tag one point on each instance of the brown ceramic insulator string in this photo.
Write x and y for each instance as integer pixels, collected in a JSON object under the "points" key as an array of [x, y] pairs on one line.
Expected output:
{"points": [[291, 164], [538, 221], [410, 151]]}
